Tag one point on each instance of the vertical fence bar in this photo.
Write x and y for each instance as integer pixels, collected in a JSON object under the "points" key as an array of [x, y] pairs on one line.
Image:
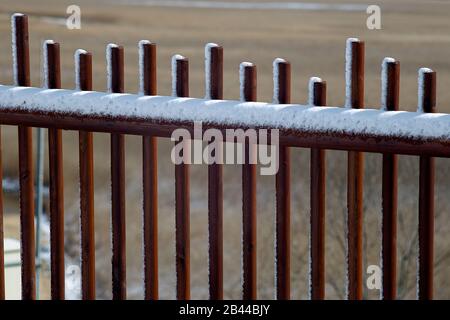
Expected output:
{"points": [[318, 97], [2, 251], [180, 86], [116, 85], [148, 86], [83, 76], [52, 80], [248, 93], [355, 99], [282, 94], [427, 104], [214, 90], [390, 102], [21, 70]]}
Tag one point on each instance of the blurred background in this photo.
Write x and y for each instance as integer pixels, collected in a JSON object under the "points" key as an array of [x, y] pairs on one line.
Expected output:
{"points": [[312, 38]]}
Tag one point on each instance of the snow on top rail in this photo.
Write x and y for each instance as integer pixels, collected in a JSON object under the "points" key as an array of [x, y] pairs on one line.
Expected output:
{"points": [[399, 124]]}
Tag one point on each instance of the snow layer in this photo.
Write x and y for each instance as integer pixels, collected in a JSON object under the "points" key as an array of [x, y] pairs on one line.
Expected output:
{"points": [[242, 67], [276, 74], [141, 45], [234, 113], [175, 58], [420, 93], [384, 81], [208, 68], [312, 81], [77, 55], [348, 71]]}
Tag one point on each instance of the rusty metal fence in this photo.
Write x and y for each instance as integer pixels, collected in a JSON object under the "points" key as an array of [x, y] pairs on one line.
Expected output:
{"points": [[423, 135]]}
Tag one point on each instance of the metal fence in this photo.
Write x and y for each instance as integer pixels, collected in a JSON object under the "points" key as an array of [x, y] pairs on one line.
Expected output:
{"points": [[387, 131]]}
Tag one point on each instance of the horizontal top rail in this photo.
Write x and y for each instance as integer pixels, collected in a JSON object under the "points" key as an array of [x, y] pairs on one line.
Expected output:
{"points": [[368, 130]]}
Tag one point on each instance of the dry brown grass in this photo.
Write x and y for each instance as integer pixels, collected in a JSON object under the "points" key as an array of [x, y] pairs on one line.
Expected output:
{"points": [[414, 33]]}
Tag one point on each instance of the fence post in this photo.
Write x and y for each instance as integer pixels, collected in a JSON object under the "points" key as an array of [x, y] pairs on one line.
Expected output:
{"points": [[317, 97], [116, 85], [427, 104], [83, 76], [390, 102], [2, 251], [148, 86], [52, 80], [214, 90], [21, 70], [180, 86], [282, 94], [355, 172], [248, 93]]}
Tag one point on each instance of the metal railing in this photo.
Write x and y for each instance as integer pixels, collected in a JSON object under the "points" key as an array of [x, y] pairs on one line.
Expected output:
{"points": [[386, 131]]}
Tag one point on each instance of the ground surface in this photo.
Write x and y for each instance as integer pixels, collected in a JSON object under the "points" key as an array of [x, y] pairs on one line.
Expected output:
{"points": [[415, 32]]}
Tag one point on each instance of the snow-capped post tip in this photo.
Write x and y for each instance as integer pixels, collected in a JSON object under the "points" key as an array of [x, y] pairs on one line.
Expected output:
{"points": [[426, 90], [147, 67], [50, 53], [247, 81], [389, 84], [354, 73], [313, 88], [281, 81], [114, 64], [19, 43], [213, 71], [180, 76], [79, 53]]}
